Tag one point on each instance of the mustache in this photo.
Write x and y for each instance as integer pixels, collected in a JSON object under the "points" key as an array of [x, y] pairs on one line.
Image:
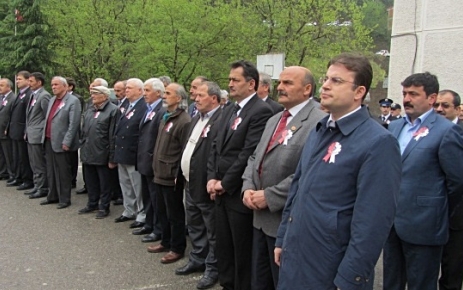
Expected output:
{"points": [[407, 104], [282, 93]]}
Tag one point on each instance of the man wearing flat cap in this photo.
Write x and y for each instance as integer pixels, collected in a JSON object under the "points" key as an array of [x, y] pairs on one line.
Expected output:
{"points": [[97, 150]]}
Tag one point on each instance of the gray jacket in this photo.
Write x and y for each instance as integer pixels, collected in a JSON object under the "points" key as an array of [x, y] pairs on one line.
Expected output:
{"points": [[36, 112], [65, 124]]}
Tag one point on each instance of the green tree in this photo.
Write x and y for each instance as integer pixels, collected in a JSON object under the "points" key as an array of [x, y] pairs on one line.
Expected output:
{"points": [[25, 38]]}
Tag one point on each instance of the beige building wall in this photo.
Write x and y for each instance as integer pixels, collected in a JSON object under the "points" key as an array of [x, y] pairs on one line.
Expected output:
{"points": [[427, 35]]}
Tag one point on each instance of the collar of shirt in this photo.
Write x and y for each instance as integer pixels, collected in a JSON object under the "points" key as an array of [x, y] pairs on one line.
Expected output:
{"points": [[243, 103], [346, 115], [36, 91], [386, 117], [154, 104], [265, 99], [455, 121], [23, 90], [420, 119], [208, 114], [296, 109], [135, 102]]}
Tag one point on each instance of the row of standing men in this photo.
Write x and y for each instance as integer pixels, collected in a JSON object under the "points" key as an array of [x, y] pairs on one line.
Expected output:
{"points": [[300, 200]]}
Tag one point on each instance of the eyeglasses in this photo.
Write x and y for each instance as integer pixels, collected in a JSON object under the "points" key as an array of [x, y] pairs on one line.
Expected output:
{"points": [[443, 105], [335, 81]]}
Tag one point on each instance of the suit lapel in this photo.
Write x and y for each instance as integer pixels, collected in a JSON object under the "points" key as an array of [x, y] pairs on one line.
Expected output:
{"points": [[241, 116], [61, 106], [209, 123], [428, 123]]}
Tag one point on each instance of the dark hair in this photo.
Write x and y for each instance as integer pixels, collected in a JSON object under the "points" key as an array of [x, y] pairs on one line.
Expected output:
{"points": [[71, 82], [359, 65], [456, 97], [309, 79], [24, 73], [38, 76], [249, 71], [426, 80]]}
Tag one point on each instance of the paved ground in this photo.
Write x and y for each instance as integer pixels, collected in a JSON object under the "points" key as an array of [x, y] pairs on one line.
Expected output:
{"points": [[45, 248]]}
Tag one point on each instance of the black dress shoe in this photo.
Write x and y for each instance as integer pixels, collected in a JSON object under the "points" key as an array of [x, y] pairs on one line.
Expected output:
{"points": [[83, 190], [118, 201], [11, 179], [190, 268], [46, 201], [25, 186], [206, 282], [87, 210], [122, 219], [13, 183], [151, 238], [141, 231], [136, 224], [38, 194], [31, 191], [63, 205], [101, 214]]}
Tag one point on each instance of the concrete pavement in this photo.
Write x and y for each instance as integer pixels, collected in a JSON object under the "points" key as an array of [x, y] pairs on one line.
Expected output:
{"points": [[42, 247]]}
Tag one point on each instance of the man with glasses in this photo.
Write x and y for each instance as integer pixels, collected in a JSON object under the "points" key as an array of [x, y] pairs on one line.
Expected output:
{"points": [[448, 105], [341, 202]]}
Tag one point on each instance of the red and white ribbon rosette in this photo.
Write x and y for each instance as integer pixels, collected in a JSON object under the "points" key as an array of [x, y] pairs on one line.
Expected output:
{"points": [[285, 136], [422, 132], [333, 150], [61, 105], [96, 114], [168, 126], [236, 123], [129, 115], [205, 131]]}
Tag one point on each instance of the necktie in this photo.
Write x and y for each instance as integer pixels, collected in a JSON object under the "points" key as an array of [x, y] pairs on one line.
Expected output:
{"points": [[384, 119], [236, 108], [280, 128]]}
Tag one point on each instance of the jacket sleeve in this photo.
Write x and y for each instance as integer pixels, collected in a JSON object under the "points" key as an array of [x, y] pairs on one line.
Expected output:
{"points": [[74, 122]]}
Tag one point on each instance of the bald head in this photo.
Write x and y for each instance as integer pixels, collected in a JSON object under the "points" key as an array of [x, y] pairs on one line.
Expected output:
{"points": [[295, 85]]}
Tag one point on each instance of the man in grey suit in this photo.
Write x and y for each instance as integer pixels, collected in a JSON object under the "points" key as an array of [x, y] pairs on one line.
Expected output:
{"points": [[270, 169], [7, 100], [61, 137], [35, 122], [265, 90]]}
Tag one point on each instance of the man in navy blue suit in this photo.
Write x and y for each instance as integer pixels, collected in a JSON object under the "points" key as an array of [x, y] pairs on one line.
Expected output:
{"points": [[341, 203], [430, 191]]}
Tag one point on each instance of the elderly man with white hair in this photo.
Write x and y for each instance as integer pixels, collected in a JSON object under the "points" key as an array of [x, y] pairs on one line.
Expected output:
{"points": [[125, 155], [97, 150], [60, 137]]}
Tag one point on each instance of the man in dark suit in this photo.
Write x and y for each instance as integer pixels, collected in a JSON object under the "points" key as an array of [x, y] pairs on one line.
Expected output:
{"points": [[122, 104], [265, 90], [199, 207], [35, 123], [431, 189], [239, 132], [448, 106], [149, 126], [16, 129], [125, 156], [61, 137], [7, 100], [270, 169], [341, 202]]}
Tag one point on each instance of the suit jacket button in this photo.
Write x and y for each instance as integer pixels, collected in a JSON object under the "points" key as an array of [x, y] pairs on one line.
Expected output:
{"points": [[290, 219], [357, 279]]}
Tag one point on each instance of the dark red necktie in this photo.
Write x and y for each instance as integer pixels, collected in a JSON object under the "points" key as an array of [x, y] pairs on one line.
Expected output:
{"points": [[280, 128]]}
